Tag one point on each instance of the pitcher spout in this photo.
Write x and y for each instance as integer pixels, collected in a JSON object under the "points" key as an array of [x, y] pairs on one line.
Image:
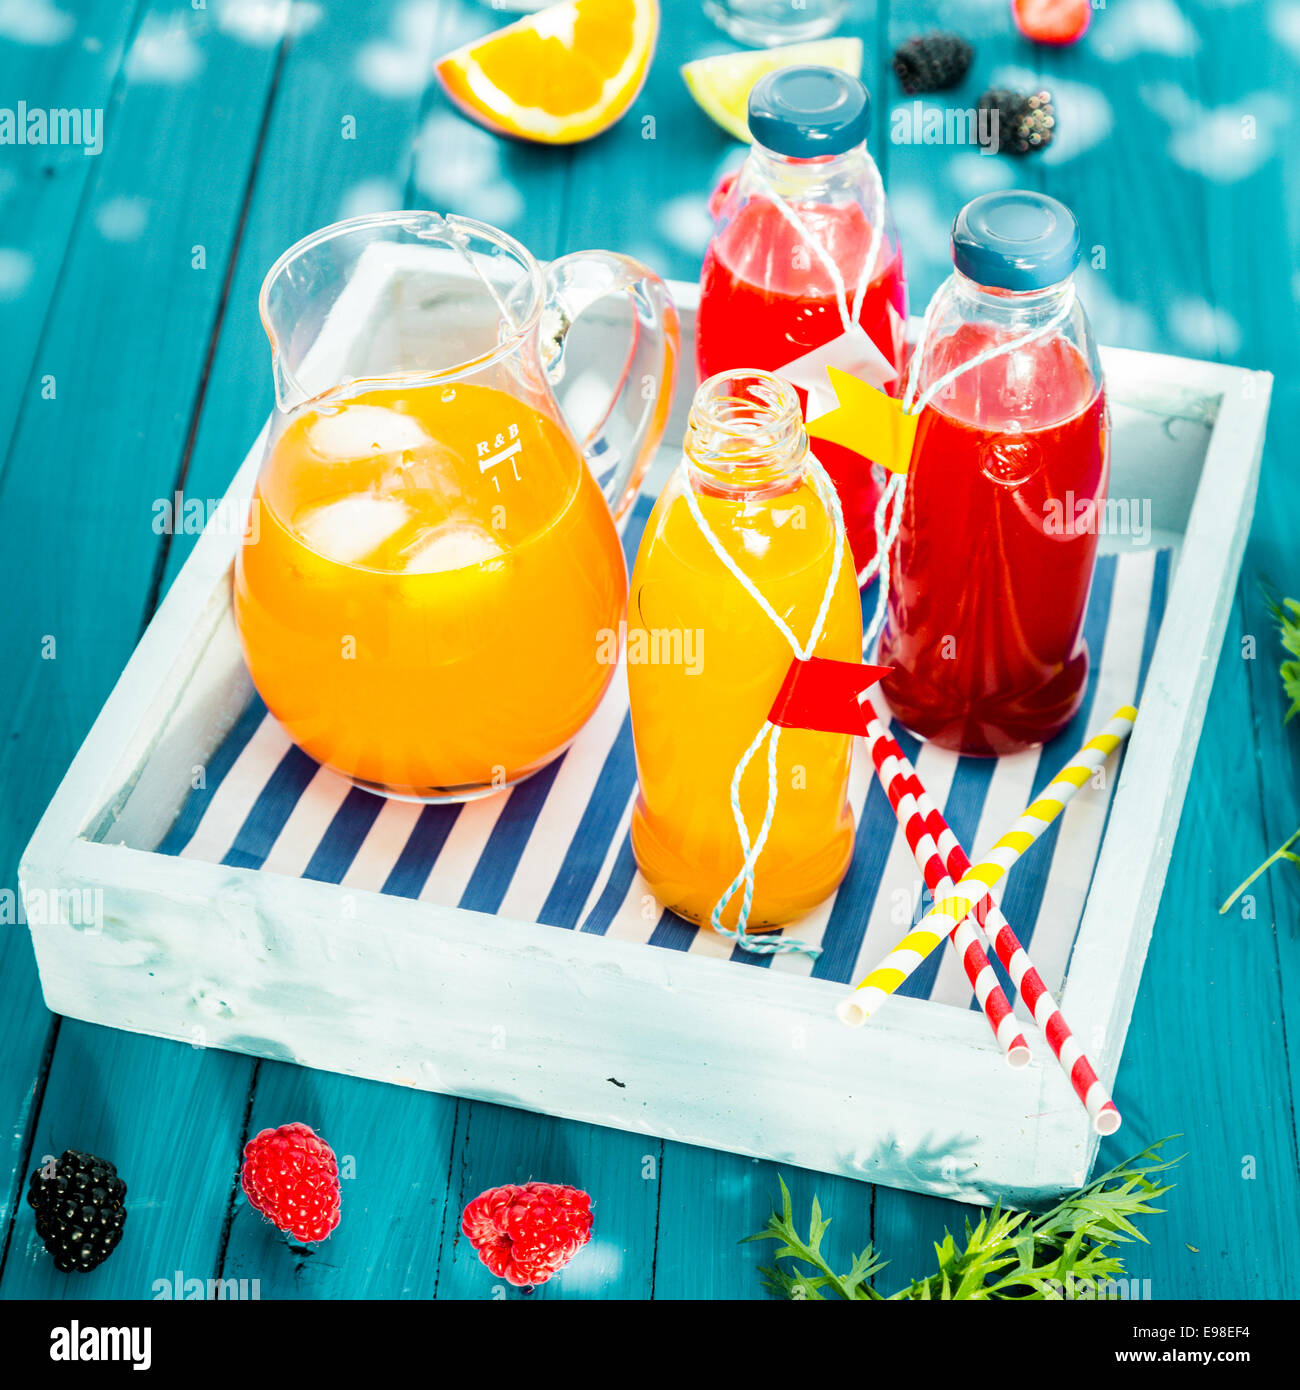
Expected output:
{"points": [[397, 295]]}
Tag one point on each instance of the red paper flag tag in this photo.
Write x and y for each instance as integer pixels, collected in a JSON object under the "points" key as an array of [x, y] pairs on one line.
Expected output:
{"points": [[823, 694]]}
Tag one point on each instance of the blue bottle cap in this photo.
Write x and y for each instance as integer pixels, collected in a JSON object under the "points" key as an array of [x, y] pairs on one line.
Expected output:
{"points": [[804, 112], [1015, 240]]}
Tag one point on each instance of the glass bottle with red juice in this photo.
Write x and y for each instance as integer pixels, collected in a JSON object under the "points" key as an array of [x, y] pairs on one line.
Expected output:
{"points": [[805, 260], [998, 535]]}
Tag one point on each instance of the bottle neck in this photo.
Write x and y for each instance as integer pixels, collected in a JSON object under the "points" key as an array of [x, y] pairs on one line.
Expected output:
{"points": [[1009, 307], [806, 177], [745, 435], [1016, 359]]}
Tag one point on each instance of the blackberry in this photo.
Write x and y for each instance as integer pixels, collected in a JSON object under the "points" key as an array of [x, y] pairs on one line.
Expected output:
{"points": [[932, 63], [79, 1210], [1026, 121]]}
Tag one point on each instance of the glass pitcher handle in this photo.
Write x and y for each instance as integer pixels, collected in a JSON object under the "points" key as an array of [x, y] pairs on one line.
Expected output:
{"points": [[619, 448]]}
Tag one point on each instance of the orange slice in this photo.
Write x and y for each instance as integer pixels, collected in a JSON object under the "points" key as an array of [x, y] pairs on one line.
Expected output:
{"points": [[563, 74]]}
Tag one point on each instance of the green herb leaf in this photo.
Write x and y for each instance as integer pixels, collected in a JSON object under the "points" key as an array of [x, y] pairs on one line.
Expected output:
{"points": [[799, 1284], [1282, 852], [1287, 616], [1007, 1255]]}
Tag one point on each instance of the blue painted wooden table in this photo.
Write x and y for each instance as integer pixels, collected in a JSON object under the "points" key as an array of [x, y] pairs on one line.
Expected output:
{"points": [[134, 365]]}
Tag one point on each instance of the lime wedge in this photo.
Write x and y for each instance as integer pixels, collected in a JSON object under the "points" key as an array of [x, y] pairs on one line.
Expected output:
{"points": [[721, 85]]}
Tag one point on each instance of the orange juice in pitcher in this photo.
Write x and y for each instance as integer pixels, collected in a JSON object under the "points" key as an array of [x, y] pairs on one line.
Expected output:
{"points": [[398, 619], [423, 602]]}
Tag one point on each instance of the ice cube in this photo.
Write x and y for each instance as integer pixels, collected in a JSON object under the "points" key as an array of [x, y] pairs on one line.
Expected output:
{"points": [[451, 546], [357, 431], [348, 529]]}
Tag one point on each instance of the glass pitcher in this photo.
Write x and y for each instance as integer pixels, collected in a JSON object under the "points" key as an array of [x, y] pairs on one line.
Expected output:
{"points": [[429, 600]]}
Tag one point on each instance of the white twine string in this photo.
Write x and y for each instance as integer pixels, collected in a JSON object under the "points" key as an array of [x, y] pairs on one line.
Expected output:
{"points": [[877, 239], [769, 732], [888, 521], [848, 318], [885, 532]]}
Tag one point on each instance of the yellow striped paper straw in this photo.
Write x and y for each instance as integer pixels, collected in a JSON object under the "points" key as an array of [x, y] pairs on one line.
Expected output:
{"points": [[942, 918]]}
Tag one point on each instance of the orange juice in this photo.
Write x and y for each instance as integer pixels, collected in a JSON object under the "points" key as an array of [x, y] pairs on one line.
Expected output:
{"points": [[694, 717], [426, 605]]}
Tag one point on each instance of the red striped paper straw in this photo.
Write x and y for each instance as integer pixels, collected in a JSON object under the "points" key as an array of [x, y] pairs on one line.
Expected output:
{"points": [[900, 783], [979, 881], [1091, 1091]]}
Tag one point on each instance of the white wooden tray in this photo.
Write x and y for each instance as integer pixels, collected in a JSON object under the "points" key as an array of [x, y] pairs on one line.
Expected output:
{"points": [[524, 1014]]}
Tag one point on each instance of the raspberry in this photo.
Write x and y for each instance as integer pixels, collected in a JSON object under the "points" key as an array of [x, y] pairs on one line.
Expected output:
{"points": [[932, 63], [80, 1211], [291, 1176], [1052, 21], [526, 1234]]}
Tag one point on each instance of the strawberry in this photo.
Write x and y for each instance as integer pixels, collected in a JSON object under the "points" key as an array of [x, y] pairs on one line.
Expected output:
{"points": [[1052, 21]]}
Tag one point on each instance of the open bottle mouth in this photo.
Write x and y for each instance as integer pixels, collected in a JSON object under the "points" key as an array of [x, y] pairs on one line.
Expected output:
{"points": [[746, 430], [411, 294]]}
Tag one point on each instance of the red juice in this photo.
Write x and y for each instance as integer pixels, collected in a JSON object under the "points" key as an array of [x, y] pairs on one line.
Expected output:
{"points": [[766, 299], [996, 549]]}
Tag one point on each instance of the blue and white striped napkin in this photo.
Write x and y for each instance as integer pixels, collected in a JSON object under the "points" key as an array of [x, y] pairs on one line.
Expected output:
{"points": [[556, 850]]}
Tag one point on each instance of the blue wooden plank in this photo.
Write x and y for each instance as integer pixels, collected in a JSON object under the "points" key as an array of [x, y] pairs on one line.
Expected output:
{"points": [[1259, 330], [119, 361], [27, 1035], [711, 1201], [1206, 1051], [64, 60], [58, 60]]}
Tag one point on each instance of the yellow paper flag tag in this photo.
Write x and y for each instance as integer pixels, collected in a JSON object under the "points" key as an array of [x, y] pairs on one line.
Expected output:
{"points": [[868, 422]]}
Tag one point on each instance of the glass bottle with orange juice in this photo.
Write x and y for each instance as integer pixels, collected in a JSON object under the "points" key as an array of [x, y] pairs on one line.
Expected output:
{"points": [[423, 601], [748, 475]]}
